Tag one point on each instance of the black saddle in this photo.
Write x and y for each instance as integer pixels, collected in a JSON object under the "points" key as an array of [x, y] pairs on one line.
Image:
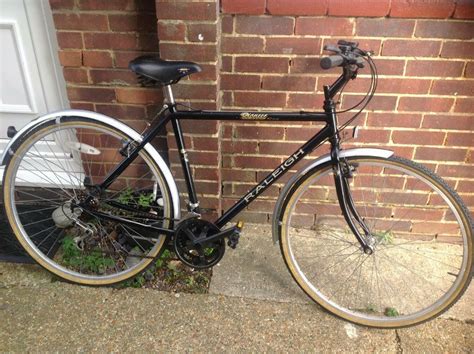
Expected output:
{"points": [[152, 70]]}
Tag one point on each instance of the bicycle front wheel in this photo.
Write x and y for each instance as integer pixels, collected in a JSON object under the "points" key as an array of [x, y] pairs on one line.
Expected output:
{"points": [[421, 232], [49, 178]]}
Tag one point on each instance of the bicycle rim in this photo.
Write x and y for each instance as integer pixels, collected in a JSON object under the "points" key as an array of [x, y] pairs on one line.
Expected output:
{"points": [[48, 176], [421, 233]]}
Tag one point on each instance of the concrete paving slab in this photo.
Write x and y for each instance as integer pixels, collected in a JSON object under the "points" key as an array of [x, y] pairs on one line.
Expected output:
{"points": [[256, 270]]}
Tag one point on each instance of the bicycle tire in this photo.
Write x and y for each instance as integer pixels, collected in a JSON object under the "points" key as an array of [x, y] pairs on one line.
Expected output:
{"points": [[399, 274], [115, 252]]}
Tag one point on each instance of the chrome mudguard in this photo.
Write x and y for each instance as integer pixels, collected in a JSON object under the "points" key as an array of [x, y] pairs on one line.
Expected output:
{"points": [[110, 121], [319, 161]]}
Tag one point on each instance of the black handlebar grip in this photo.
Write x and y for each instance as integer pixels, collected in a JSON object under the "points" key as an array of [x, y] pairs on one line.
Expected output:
{"points": [[332, 61]]}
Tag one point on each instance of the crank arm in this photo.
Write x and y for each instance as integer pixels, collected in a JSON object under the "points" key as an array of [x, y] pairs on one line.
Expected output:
{"points": [[218, 236]]}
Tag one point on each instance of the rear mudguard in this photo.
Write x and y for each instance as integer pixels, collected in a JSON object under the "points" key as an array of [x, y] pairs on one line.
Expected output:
{"points": [[277, 214], [56, 116]]}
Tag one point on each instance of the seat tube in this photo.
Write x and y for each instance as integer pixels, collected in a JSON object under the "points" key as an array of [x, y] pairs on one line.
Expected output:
{"points": [[193, 204]]}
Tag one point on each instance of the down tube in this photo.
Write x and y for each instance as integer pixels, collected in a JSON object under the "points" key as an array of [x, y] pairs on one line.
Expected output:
{"points": [[274, 175]]}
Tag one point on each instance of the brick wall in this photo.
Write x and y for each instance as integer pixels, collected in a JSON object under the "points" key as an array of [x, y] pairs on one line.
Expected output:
{"points": [[424, 104], [264, 54], [97, 39]]}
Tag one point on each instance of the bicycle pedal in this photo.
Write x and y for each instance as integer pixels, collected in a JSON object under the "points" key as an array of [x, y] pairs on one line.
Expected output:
{"points": [[233, 239]]}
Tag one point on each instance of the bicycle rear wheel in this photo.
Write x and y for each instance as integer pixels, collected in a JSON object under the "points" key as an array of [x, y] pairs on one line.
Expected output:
{"points": [[52, 170], [421, 232]]}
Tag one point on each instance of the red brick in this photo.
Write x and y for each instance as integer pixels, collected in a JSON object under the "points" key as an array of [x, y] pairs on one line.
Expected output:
{"points": [[210, 174], [239, 147], [460, 139], [195, 91], [444, 29], [205, 143], [190, 52], [91, 94], [97, 59], [440, 154], [204, 127], [100, 40], [306, 65], [384, 27], [170, 31], [264, 25], [122, 112], [305, 101], [297, 7], [259, 99], [85, 22], [453, 87], [464, 9], [461, 50], [235, 45], [367, 136], [240, 82], [208, 72], [249, 7], [122, 5], [404, 48], [261, 64], [425, 104], [364, 8], [458, 171], [226, 63], [227, 24], [422, 8], [69, 40], [61, 4], [278, 149], [453, 122], [75, 75], [328, 26], [200, 32], [464, 105], [256, 162], [434, 68], [259, 132], [135, 22], [193, 11], [403, 120], [113, 77], [385, 103], [301, 133], [417, 137], [138, 95], [469, 70], [289, 83], [70, 57], [209, 158], [292, 45], [390, 66]]}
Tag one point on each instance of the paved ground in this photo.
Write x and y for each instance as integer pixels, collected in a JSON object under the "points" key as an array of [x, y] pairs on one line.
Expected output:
{"points": [[256, 308]]}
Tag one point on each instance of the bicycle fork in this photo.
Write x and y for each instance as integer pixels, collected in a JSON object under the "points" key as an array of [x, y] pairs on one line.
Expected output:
{"points": [[342, 171]]}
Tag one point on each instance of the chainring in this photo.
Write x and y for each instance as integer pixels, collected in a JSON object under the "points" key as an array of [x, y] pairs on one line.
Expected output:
{"points": [[197, 255]]}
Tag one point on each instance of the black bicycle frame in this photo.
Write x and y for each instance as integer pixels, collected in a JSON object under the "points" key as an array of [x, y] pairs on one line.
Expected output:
{"points": [[328, 132]]}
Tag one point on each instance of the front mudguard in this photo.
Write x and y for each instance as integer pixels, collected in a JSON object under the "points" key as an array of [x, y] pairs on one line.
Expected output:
{"points": [[56, 116], [280, 204]]}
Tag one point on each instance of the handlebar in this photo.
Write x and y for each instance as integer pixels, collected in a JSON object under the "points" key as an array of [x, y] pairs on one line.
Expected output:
{"points": [[346, 54]]}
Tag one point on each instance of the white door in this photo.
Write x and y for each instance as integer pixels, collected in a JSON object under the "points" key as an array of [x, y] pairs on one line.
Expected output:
{"points": [[31, 80]]}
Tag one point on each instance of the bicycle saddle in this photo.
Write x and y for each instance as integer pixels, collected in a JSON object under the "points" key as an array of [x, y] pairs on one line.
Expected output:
{"points": [[164, 72]]}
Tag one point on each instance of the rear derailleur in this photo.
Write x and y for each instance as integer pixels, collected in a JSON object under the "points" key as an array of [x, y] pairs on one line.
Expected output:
{"points": [[200, 244]]}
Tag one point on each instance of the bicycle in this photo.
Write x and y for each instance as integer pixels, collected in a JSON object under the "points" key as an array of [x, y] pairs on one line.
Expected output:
{"points": [[373, 238]]}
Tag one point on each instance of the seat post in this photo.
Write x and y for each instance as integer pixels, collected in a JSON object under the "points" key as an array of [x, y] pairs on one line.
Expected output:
{"points": [[168, 92]]}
